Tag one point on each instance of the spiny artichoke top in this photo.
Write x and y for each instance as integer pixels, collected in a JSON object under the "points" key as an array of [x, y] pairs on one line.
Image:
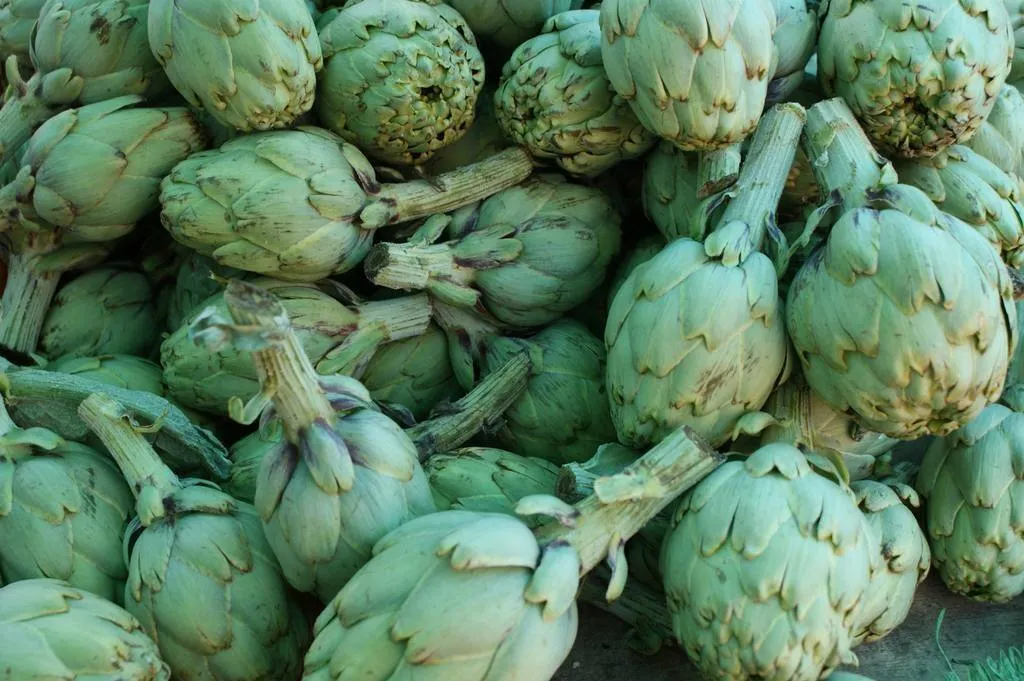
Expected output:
{"points": [[920, 75], [508, 23], [52, 630], [972, 481], [555, 99], [250, 63], [695, 73], [401, 78], [484, 138], [744, 603]]}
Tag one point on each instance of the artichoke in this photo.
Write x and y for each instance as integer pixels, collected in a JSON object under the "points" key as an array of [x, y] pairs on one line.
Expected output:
{"points": [[905, 316], [508, 23], [744, 603], [303, 204], [555, 100], [1000, 138], [52, 630], [532, 253], [104, 311], [17, 19], [55, 221], [63, 511], [483, 139], [471, 596], [563, 415], [341, 460], [904, 557], [1015, 10], [194, 284], [972, 481], [247, 456], [644, 250], [696, 74], [123, 371], [251, 65], [795, 37], [401, 77], [669, 191], [919, 76], [334, 336], [695, 334], [201, 578]]}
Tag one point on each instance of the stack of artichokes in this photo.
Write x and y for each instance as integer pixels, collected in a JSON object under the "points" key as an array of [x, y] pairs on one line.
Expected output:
{"points": [[347, 339]]}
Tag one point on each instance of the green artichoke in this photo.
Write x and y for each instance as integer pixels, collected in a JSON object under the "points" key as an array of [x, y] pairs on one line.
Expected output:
{"points": [[483, 139], [415, 373], [1000, 138], [965, 184], [506, 24], [1015, 10], [905, 317], [17, 19], [247, 456], [919, 76], [202, 579], [123, 371], [555, 100], [63, 511], [744, 603], [103, 311], [252, 64], [341, 461], [194, 284], [972, 481], [904, 557], [563, 415], [54, 631], [644, 250], [55, 221], [334, 336], [532, 253], [401, 77], [696, 74], [669, 191], [795, 37], [304, 204], [695, 334], [470, 596]]}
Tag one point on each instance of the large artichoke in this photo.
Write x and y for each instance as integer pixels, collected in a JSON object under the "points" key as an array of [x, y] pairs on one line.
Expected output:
{"points": [[252, 64], [765, 567], [555, 100], [920, 76], [508, 23], [695, 73], [972, 481], [17, 19], [63, 511], [341, 461], [1000, 138], [401, 78], [202, 579], [52, 630], [905, 316]]}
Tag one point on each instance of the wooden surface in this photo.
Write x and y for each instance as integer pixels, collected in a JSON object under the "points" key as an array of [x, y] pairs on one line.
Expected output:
{"points": [[970, 631]]}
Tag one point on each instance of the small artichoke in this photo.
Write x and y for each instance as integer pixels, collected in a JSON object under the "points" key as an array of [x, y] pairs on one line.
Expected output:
{"points": [[123, 371], [669, 191], [1000, 138], [252, 64], [555, 99], [193, 285], [17, 19], [795, 37], [52, 630], [972, 481], [508, 23], [744, 605], [401, 78], [103, 311], [920, 76]]}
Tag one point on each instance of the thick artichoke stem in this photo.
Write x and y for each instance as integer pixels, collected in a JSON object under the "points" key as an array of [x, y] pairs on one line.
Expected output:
{"points": [[412, 266], [133, 454], [485, 403], [407, 201], [21, 114], [25, 301], [841, 154], [717, 170], [622, 504], [401, 318], [640, 606]]}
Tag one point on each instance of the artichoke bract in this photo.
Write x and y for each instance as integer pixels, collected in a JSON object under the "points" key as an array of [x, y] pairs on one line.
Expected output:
{"points": [[63, 511], [53, 630], [669, 191], [336, 337], [972, 481], [696, 74], [401, 77], [194, 284], [555, 99], [905, 317], [744, 603], [55, 221], [341, 460], [251, 64], [17, 18], [894, 65], [532, 253], [104, 311], [507, 23], [1000, 138], [191, 543], [508, 594], [695, 335], [304, 204], [124, 371]]}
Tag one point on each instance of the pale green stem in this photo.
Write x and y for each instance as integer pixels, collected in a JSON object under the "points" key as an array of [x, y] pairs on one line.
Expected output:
{"points": [[26, 299], [717, 170]]}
